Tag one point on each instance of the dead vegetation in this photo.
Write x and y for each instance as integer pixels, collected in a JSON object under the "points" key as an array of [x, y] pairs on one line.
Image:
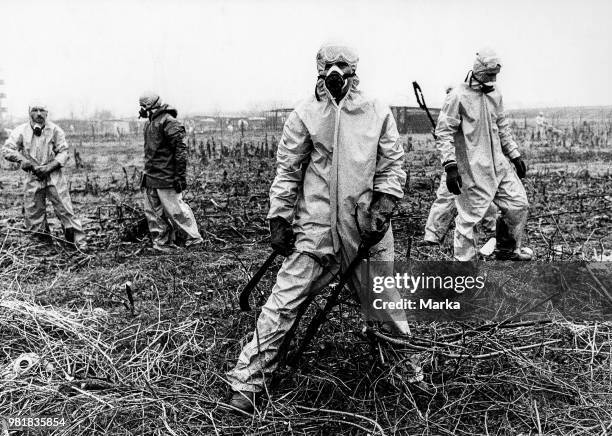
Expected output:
{"points": [[126, 341]]}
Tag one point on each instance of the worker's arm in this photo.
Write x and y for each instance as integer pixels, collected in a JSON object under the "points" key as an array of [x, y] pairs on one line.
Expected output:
{"points": [[448, 124], [508, 145], [60, 147], [389, 176], [175, 134], [12, 145], [293, 153]]}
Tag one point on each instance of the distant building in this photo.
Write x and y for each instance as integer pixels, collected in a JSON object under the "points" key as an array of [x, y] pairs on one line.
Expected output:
{"points": [[257, 123], [226, 122], [115, 128], [408, 119], [413, 119], [102, 128], [275, 118], [204, 124]]}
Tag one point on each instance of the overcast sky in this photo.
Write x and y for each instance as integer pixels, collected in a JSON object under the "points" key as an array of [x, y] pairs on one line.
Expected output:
{"points": [[209, 56]]}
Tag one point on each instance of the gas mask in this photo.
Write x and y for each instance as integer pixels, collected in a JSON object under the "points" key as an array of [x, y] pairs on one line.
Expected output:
{"points": [[147, 106], [335, 80], [37, 128], [486, 67], [485, 87]]}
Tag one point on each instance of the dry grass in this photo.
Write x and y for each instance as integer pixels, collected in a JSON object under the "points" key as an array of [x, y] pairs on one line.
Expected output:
{"points": [[161, 371], [157, 366]]}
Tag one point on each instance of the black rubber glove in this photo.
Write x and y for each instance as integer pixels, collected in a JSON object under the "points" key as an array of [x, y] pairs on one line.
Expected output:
{"points": [[27, 166], [521, 168], [281, 236], [180, 185], [381, 210], [42, 171], [453, 179]]}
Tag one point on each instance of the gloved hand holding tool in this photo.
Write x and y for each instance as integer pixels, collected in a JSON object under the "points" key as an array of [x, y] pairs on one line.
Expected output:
{"points": [[27, 166], [282, 240], [453, 179], [42, 171], [27, 163], [281, 236]]}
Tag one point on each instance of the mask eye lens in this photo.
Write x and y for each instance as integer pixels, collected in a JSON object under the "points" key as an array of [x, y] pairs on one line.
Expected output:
{"points": [[341, 64]]}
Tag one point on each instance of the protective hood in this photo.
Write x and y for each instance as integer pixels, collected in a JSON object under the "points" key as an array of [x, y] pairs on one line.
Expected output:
{"points": [[164, 109], [332, 53], [37, 103], [37, 126], [150, 100], [487, 60]]}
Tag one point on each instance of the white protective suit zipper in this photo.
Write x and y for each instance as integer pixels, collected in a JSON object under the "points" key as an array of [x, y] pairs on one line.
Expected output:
{"points": [[335, 149]]}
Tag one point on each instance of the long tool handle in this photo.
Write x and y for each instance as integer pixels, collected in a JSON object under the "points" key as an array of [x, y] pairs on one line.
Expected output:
{"points": [[421, 101], [246, 291]]}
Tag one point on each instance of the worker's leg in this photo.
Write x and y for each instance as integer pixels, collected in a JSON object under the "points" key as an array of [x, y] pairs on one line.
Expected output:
{"points": [[180, 215], [511, 199], [489, 221], [472, 206], [299, 276], [379, 264], [161, 232], [441, 214], [62, 204], [35, 207]]}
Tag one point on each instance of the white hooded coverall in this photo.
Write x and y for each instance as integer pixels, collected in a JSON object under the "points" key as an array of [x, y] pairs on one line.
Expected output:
{"points": [[473, 131], [40, 150], [443, 210], [330, 158], [541, 127]]}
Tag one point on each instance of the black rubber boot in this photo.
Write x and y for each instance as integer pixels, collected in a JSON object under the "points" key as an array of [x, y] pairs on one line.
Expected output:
{"points": [[69, 234], [516, 255], [244, 401]]}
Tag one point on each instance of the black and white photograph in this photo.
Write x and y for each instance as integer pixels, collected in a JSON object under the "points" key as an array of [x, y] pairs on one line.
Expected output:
{"points": [[374, 218]]}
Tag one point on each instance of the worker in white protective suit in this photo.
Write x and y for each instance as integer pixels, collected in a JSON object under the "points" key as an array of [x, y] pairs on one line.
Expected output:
{"points": [[339, 150], [541, 125], [40, 147], [443, 211], [475, 143]]}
